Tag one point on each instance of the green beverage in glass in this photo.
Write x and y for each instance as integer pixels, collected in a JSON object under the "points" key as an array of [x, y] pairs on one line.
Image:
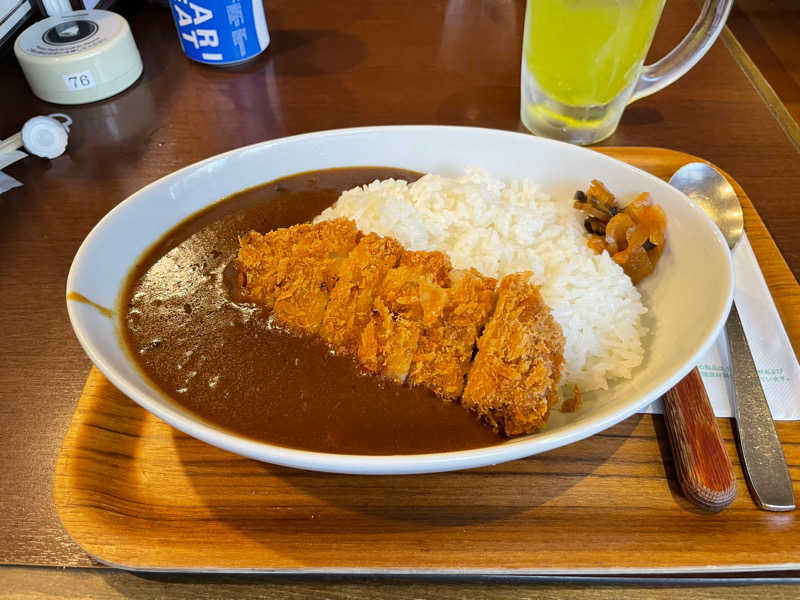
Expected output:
{"points": [[582, 62]]}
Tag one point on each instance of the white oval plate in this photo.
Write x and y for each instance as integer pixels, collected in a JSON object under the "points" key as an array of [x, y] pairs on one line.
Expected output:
{"points": [[688, 296]]}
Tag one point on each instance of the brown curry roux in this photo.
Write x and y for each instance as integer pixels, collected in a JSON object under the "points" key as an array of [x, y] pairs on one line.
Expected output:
{"points": [[229, 364]]}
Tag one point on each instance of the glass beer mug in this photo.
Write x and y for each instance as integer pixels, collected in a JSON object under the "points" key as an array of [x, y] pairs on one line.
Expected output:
{"points": [[582, 62]]}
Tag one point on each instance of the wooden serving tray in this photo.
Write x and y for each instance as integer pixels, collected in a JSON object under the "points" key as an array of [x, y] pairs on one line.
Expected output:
{"points": [[138, 494]]}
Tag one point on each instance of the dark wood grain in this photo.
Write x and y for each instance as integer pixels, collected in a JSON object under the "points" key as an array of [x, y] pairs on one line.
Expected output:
{"points": [[329, 65], [703, 467], [768, 32]]}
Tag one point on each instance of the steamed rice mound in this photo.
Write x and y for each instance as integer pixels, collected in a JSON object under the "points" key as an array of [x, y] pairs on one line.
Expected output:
{"points": [[502, 228]]}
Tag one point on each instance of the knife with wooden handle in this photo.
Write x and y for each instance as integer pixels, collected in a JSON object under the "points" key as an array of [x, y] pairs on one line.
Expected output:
{"points": [[702, 464]]}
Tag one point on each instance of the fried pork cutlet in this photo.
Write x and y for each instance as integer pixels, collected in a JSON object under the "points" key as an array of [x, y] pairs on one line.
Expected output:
{"points": [[293, 270], [444, 352], [350, 302], [409, 297], [313, 271], [408, 315], [512, 383], [263, 261]]}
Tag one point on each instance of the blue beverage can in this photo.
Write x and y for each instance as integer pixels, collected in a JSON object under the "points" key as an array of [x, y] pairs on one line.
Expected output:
{"points": [[221, 32]]}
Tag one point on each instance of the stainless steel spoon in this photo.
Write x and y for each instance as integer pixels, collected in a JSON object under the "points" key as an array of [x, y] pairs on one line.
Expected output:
{"points": [[762, 456]]}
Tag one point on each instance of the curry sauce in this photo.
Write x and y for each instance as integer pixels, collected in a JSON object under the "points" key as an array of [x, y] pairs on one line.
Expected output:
{"points": [[230, 364]]}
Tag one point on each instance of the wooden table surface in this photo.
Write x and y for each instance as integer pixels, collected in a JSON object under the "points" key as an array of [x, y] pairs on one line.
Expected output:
{"points": [[329, 65]]}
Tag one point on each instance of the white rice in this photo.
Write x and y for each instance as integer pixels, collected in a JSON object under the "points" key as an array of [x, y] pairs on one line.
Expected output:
{"points": [[501, 228]]}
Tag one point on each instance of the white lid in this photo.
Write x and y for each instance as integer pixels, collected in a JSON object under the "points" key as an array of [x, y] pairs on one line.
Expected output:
{"points": [[44, 136]]}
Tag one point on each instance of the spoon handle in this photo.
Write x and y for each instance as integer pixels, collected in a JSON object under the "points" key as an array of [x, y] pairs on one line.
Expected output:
{"points": [[760, 448], [702, 464]]}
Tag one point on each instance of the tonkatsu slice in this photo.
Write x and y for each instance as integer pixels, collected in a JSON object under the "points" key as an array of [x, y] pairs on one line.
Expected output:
{"points": [[409, 297], [298, 269], [513, 380], [301, 300], [350, 303], [263, 262], [444, 352]]}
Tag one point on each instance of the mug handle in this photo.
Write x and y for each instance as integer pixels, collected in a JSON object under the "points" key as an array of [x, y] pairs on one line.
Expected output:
{"points": [[685, 55]]}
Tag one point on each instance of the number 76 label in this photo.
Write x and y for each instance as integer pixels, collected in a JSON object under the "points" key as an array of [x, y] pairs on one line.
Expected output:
{"points": [[79, 81]]}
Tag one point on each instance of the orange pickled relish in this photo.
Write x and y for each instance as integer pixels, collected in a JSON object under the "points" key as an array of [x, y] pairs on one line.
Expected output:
{"points": [[634, 236]]}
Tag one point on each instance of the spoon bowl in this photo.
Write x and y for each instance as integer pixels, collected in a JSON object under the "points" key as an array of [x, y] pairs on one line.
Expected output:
{"points": [[707, 188]]}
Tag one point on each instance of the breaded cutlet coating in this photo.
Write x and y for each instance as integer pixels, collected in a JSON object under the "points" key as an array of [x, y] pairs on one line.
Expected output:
{"points": [[350, 302], [444, 352], [513, 380], [263, 261], [410, 295], [434, 265], [313, 270]]}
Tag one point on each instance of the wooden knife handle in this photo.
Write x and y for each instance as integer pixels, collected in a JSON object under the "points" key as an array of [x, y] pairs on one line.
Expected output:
{"points": [[703, 466]]}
